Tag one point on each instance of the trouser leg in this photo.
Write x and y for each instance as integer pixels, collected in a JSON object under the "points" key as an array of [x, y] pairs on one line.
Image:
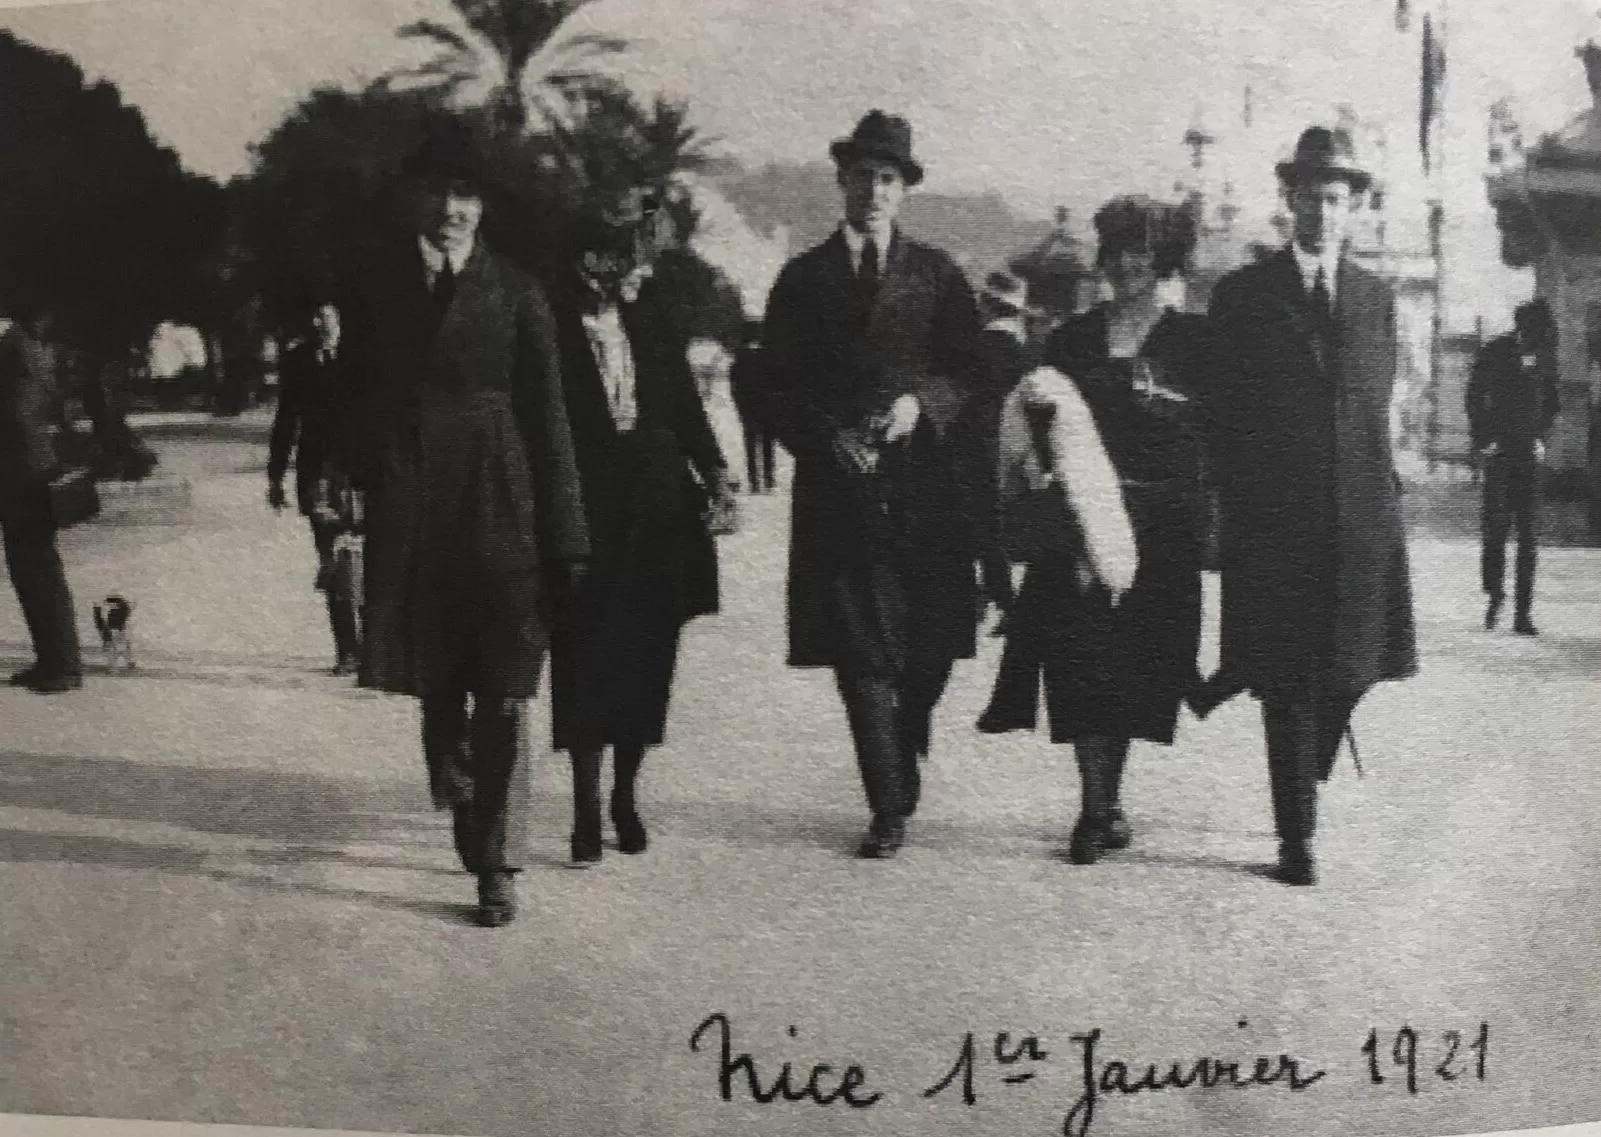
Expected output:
{"points": [[497, 832], [450, 783], [40, 582], [1493, 530], [1293, 741], [921, 689], [769, 460], [1525, 509], [870, 707]]}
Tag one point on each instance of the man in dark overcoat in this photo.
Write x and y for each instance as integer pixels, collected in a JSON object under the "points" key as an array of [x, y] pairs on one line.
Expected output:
{"points": [[747, 380], [1317, 599], [871, 352], [1512, 403], [460, 442], [1005, 356], [28, 461], [304, 432]]}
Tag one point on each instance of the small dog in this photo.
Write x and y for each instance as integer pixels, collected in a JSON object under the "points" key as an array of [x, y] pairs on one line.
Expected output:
{"points": [[112, 624]]}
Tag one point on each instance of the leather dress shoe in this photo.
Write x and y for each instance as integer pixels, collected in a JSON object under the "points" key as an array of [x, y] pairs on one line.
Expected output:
{"points": [[497, 900], [1296, 865], [42, 684], [884, 839], [23, 678], [1525, 627]]}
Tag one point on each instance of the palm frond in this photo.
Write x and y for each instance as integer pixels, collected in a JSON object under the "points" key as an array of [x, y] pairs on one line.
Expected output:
{"points": [[439, 33]]}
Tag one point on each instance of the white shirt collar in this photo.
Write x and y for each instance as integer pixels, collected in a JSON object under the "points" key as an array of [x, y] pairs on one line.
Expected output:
{"points": [[434, 257], [855, 239], [1011, 325], [1308, 263]]}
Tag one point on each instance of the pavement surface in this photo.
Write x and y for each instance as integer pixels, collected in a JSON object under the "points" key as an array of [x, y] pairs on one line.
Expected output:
{"points": [[225, 898]]}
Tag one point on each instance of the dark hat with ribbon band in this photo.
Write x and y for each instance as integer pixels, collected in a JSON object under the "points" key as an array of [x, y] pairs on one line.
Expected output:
{"points": [[1325, 155], [884, 137]]}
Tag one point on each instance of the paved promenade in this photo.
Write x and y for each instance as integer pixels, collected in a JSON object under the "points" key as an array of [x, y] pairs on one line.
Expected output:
{"points": [[225, 898]]}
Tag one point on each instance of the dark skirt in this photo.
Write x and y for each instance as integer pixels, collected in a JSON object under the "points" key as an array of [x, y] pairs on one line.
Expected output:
{"points": [[1119, 671], [614, 644]]}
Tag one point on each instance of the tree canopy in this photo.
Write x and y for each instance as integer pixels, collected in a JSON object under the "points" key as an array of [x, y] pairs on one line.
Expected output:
{"points": [[101, 228]]}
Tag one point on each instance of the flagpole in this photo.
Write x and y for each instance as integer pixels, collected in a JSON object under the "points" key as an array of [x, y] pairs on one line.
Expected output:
{"points": [[1436, 203]]}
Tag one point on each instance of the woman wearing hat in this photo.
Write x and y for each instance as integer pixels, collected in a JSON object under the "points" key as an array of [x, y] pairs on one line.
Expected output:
{"points": [[1115, 667], [652, 471]]}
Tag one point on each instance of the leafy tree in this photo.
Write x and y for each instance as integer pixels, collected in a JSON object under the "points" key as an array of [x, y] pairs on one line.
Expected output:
{"points": [[102, 231]]}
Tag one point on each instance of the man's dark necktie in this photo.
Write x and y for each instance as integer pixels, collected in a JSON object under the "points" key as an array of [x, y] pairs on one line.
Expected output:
{"points": [[445, 287], [867, 276], [1323, 314]]}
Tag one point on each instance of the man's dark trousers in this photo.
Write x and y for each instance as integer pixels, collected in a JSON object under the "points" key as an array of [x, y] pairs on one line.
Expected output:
{"points": [[40, 582], [478, 767], [1303, 733], [1511, 499], [890, 719]]}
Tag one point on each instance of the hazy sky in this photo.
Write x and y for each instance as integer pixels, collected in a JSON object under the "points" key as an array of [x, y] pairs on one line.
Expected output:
{"points": [[1043, 100]]}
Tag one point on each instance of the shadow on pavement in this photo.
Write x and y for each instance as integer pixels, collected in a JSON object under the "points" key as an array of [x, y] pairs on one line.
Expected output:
{"points": [[314, 817]]}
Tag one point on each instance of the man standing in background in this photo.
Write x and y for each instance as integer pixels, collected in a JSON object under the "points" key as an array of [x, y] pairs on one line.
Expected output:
{"points": [[310, 414], [1512, 401], [28, 522]]}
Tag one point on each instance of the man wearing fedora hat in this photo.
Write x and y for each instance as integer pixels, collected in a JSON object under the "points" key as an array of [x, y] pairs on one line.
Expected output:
{"points": [[1317, 597], [1006, 355], [871, 342], [459, 437]]}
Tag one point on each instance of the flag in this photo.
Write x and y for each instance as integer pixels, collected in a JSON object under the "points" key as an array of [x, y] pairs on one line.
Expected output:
{"points": [[1432, 84]]}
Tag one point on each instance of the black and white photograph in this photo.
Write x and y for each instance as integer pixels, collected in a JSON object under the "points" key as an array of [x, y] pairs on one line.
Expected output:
{"points": [[863, 567]]}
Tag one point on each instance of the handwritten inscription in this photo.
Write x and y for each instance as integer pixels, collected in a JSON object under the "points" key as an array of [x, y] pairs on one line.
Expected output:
{"points": [[1404, 1058]]}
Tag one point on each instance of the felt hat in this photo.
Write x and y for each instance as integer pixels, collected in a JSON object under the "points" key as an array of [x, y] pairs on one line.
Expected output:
{"points": [[884, 137]]}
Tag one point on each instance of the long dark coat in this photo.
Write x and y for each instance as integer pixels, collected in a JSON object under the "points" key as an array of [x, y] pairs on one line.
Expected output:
{"points": [[28, 456], [1317, 593], [306, 426], [1118, 671], [880, 568], [653, 564], [459, 436]]}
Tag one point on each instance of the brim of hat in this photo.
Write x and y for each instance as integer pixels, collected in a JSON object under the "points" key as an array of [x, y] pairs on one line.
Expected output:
{"points": [[846, 150], [1305, 172]]}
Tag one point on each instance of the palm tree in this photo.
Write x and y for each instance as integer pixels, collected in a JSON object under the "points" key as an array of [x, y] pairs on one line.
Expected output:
{"points": [[516, 58]]}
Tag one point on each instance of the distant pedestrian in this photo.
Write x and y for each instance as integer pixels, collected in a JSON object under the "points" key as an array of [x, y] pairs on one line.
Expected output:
{"points": [[28, 522], [1005, 356], [753, 399], [311, 410], [1512, 402], [460, 445]]}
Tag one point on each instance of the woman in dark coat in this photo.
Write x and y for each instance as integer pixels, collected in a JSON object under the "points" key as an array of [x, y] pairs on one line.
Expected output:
{"points": [[651, 469], [1115, 668]]}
